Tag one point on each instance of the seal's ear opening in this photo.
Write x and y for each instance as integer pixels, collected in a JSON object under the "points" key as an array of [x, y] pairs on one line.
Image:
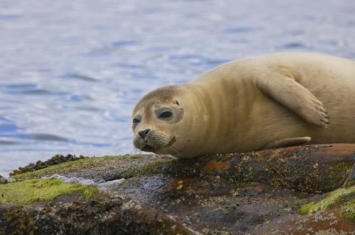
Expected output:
{"points": [[176, 102]]}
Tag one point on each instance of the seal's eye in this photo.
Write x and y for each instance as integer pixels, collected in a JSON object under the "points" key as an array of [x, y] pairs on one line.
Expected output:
{"points": [[137, 119], [165, 115]]}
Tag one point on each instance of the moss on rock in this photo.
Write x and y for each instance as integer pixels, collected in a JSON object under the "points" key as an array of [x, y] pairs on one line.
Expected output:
{"points": [[148, 169], [70, 166], [35, 190], [348, 210], [56, 159], [342, 196]]}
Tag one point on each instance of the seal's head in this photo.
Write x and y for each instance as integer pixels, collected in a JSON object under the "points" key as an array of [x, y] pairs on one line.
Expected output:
{"points": [[157, 122]]}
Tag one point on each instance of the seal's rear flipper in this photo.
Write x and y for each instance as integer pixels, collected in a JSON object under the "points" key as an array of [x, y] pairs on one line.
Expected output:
{"points": [[286, 142]]}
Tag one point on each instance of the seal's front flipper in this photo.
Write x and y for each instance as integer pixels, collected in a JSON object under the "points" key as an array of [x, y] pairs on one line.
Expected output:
{"points": [[288, 92], [286, 142]]}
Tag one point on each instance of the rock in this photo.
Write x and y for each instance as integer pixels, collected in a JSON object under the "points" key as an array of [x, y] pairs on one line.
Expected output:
{"points": [[57, 159], [296, 190], [104, 216]]}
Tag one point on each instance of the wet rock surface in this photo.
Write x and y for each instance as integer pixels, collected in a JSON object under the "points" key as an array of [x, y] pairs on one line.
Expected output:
{"points": [[74, 215], [278, 191]]}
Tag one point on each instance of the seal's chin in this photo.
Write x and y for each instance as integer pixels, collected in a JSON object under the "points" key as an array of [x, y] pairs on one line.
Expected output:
{"points": [[148, 148]]}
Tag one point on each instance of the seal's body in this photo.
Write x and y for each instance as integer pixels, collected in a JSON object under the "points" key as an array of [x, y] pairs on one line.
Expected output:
{"points": [[250, 104]]}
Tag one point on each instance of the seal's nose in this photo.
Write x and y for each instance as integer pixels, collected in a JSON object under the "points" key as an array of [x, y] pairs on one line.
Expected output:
{"points": [[143, 133]]}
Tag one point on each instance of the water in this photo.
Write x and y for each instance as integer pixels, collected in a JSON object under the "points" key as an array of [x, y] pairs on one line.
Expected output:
{"points": [[71, 71]]}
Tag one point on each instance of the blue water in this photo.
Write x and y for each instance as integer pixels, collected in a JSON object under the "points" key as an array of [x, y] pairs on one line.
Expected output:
{"points": [[71, 71]]}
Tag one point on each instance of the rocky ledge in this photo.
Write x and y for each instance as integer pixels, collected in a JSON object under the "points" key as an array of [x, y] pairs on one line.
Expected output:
{"points": [[296, 190]]}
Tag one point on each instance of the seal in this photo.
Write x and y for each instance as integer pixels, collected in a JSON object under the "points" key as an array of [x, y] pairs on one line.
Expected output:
{"points": [[262, 102]]}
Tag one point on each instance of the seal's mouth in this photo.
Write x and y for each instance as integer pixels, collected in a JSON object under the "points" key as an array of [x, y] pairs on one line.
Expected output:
{"points": [[148, 148]]}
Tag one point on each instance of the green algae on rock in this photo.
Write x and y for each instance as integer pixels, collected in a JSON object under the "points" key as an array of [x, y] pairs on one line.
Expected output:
{"points": [[147, 169], [348, 210], [101, 168], [338, 196], [36, 190], [55, 169], [56, 159]]}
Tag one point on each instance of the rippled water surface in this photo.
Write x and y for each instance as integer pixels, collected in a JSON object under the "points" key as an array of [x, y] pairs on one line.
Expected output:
{"points": [[71, 71]]}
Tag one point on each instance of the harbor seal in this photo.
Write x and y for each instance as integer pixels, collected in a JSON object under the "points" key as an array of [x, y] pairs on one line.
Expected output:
{"points": [[263, 102]]}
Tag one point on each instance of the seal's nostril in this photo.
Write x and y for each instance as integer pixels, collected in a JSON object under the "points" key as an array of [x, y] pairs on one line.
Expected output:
{"points": [[144, 133]]}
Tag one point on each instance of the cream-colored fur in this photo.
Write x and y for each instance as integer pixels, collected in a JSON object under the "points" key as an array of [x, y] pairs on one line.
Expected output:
{"points": [[254, 103]]}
